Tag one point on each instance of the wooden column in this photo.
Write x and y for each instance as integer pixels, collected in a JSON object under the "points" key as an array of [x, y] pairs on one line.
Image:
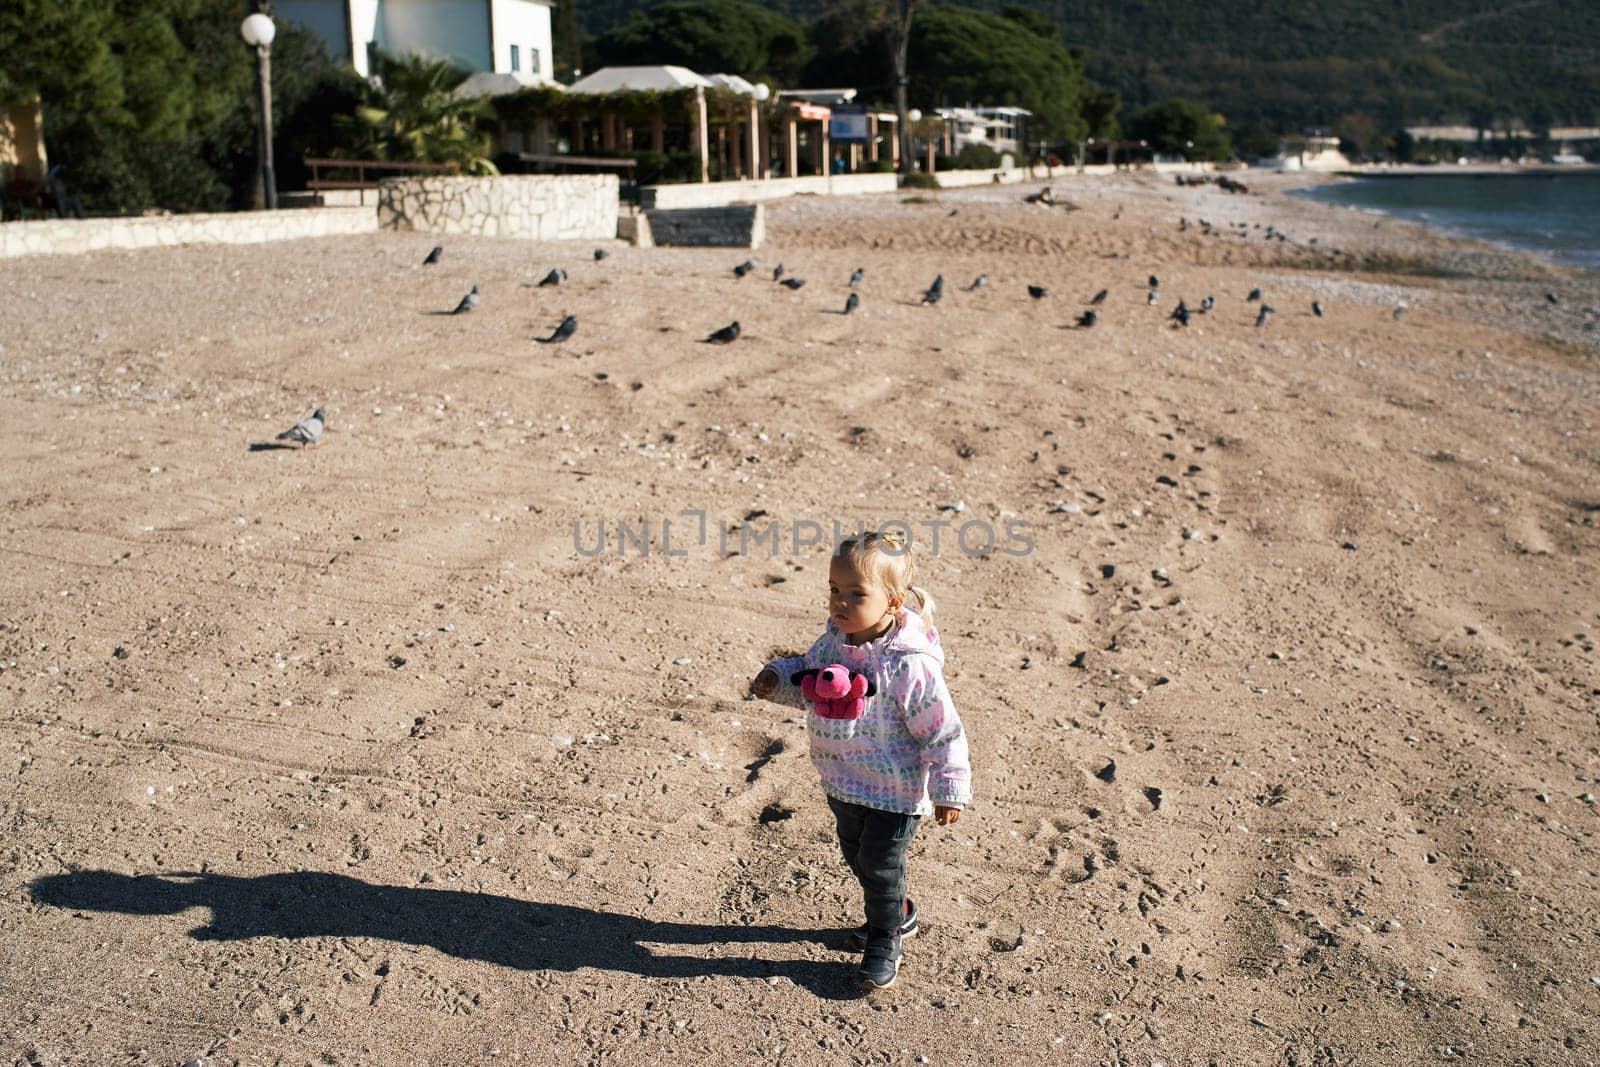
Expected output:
{"points": [[872, 137], [792, 137], [702, 134], [658, 138], [608, 132], [757, 160]]}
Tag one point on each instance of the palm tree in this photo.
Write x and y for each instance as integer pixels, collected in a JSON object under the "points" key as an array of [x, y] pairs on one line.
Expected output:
{"points": [[411, 113]]}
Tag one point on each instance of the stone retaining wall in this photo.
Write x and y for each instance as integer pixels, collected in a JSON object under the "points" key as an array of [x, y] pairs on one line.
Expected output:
{"points": [[69, 236], [740, 226], [957, 179], [533, 206], [718, 194]]}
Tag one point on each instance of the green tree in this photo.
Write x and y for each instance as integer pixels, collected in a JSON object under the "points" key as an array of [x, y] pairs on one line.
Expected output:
{"points": [[1100, 108], [1358, 135], [960, 56], [851, 44], [35, 35], [156, 106], [566, 41], [1183, 128], [414, 115], [711, 37], [1256, 140]]}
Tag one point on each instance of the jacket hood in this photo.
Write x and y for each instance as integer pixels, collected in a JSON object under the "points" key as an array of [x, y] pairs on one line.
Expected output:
{"points": [[909, 634]]}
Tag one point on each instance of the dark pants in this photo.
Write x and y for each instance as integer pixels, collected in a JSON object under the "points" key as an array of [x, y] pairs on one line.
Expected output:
{"points": [[874, 845]]}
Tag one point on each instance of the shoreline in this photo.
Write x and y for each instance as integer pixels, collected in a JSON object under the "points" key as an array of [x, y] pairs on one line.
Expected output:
{"points": [[1475, 170], [1564, 256]]}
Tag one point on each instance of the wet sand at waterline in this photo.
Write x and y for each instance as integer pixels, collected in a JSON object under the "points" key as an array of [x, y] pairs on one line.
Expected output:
{"points": [[353, 754]]}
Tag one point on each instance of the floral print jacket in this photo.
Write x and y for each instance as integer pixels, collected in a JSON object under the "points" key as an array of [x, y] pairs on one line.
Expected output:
{"points": [[907, 751]]}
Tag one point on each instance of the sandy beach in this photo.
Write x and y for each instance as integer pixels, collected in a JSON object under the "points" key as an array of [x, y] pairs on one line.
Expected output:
{"points": [[359, 753]]}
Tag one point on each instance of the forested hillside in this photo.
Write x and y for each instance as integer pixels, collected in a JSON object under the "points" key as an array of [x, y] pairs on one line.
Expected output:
{"points": [[1307, 62]]}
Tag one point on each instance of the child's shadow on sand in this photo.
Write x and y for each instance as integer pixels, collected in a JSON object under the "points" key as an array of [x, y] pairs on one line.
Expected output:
{"points": [[475, 926]]}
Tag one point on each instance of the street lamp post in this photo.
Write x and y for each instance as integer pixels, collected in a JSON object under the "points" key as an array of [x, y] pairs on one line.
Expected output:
{"points": [[258, 32]]}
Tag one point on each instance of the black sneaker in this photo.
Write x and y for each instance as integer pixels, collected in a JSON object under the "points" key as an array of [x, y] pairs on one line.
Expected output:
{"points": [[880, 964], [858, 936]]}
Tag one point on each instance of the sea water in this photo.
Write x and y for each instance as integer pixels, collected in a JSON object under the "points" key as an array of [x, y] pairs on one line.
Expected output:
{"points": [[1555, 215]]}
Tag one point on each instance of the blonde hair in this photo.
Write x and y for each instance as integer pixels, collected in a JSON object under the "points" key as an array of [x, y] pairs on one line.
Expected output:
{"points": [[885, 557]]}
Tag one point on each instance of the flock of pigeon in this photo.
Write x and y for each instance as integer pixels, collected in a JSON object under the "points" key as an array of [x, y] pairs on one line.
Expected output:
{"points": [[309, 429], [1181, 315]]}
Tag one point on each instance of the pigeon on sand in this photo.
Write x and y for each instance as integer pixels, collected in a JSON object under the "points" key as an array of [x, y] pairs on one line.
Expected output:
{"points": [[306, 431], [468, 303], [568, 327], [727, 335], [433, 256]]}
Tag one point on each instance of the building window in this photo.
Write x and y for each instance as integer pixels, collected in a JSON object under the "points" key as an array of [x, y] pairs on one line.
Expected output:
{"points": [[533, 61], [516, 58]]}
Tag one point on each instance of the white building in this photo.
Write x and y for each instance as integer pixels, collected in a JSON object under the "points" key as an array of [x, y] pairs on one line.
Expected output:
{"points": [[999, 128], [1318, 150], [1008, 128], [510, 37]]}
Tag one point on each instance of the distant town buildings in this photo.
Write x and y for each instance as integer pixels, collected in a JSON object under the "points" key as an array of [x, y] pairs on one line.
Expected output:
{"points": [[1565, 144], [510, 38], [1472, 134]]}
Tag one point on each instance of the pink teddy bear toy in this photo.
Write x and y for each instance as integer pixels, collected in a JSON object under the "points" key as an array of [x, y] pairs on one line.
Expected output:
{"points": [[834, 692]]}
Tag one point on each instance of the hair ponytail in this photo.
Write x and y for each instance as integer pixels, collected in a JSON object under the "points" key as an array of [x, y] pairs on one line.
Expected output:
{"points": [[924, 605]]}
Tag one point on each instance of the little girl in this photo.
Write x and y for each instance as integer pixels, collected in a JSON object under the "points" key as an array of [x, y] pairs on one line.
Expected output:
{"points": [[903, 756]]}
